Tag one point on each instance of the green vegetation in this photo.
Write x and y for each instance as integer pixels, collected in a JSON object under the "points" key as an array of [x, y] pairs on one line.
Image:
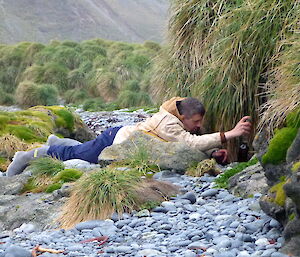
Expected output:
{"points": [[149, 205], [280, 196], [220, 51], [41, 74], [205, 166], [140, 162], [68, 175], [296, 166], [98, 194], [279, 145], [49, 174], [222, 180], [36, 123], [46, 166]]}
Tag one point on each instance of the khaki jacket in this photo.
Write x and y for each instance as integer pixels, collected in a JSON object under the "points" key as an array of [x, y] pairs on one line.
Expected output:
{"points": [[167, 125]]}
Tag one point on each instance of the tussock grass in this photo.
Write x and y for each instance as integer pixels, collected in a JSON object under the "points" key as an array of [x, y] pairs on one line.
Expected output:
{"points": [[46, 166], [99, 194], [220, 51]]}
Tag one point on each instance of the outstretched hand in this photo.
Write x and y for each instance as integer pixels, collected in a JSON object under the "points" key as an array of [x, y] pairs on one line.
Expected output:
{"points": [[242, 128], [220, 156]]}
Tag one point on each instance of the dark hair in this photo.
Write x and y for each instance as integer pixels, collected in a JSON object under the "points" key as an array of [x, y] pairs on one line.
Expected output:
{"points": [[190, 106]]}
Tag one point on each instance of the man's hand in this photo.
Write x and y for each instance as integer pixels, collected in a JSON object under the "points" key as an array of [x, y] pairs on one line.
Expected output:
{"points": [[242, 128], [220, 156]]}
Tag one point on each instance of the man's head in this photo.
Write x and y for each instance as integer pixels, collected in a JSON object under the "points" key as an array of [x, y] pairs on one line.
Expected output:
{"points": [[192, 112]]}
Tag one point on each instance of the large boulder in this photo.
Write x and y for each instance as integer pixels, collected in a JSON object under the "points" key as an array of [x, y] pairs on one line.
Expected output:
{"points": [[167, 155], [17, 209]]}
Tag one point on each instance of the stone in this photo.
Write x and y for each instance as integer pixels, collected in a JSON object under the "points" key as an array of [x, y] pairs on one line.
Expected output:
{"points": [[13, 185], [190, 196], [210, 192], [248, 182], [16, 251], [26, 228], [167, 155], [89, 224], [148, 253], [142, 213], [293, 153]]}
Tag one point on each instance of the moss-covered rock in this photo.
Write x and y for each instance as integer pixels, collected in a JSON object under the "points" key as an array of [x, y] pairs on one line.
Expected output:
{"points": [[280, 195], [296, 166], [279, 145]]}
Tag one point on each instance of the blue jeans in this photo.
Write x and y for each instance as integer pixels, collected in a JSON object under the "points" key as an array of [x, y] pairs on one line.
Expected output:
{"points": [[88, 151]]}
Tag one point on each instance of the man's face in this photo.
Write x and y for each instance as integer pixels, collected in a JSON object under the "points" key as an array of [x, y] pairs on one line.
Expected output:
{"points": [[193, 124]]}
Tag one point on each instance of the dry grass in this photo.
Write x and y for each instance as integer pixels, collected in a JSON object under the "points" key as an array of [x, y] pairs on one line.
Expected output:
{"points": [[283, 87], [99, 194], [10, 144]]}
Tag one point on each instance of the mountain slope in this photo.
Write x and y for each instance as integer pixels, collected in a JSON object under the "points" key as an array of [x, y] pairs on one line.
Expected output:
{"points": [[41, 21]]}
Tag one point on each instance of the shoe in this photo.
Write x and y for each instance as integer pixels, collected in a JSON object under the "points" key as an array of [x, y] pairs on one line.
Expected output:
{"points": [[20, 162]]}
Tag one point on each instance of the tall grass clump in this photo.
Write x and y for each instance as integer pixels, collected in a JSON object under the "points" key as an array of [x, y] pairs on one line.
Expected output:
{"points": [[30, 94], [283, 87], [98, 195], [220, 52]]}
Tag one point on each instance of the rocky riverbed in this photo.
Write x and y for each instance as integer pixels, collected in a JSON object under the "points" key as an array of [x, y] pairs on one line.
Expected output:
{"points": [[203, 221]]}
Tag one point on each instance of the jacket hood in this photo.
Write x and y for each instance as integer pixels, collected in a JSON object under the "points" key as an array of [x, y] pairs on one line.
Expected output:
{"points": [[171, 107]]}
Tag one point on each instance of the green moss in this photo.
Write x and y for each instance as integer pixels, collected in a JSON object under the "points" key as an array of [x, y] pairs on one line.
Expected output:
{"points": [[292, 216], [68, 175], [149, 205], [23, 132], [279, 145], [280, 193], [222, 180], [53, 187], [293, 119], [296, 166], [64, 118], [3, 121]]}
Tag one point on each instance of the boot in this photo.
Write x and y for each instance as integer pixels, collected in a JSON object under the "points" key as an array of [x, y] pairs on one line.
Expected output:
{"points": [[21, 160], [54, 140]]}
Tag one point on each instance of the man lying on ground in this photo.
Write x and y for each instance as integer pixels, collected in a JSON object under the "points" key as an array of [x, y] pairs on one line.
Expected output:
{"points": [[178, 120]]}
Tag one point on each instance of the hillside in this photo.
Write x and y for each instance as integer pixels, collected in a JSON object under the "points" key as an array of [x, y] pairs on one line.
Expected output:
{"points": [[122, 20]]}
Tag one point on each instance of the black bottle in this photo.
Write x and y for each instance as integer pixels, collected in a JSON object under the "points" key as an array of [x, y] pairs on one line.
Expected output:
{"points": [[243, 148], [243, 151]]}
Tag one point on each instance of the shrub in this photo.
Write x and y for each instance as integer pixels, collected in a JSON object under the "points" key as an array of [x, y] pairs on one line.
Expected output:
{"points": [[95, 104], [132, 85], [30, 94], [279, 145], [129, 98], [75, 95], [6, 98]]}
